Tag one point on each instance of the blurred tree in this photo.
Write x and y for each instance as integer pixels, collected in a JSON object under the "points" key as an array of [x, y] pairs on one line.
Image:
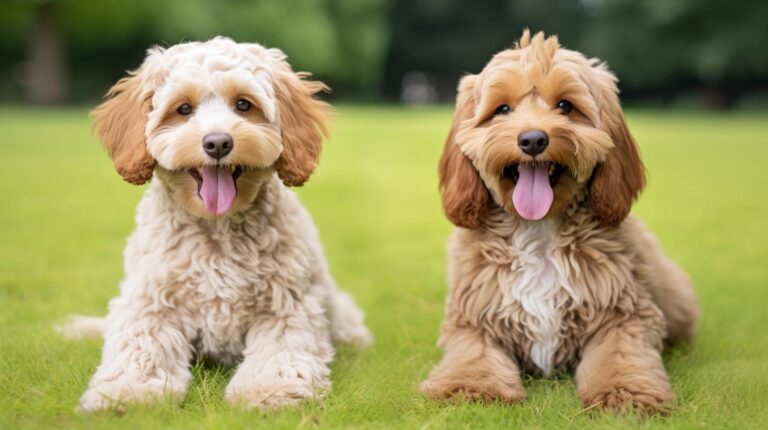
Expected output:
{"points": [[659, 48], [664, 48], [448, 38], [47, 69], [361, 29], [338, 40], [52, 49]]}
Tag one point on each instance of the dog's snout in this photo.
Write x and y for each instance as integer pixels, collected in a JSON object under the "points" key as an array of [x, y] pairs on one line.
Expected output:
{"points": [[217, 145], [533, 142]]}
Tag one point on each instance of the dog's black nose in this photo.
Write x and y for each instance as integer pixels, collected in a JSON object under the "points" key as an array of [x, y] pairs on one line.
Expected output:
{"points": [[533, 142], [217, 145]]}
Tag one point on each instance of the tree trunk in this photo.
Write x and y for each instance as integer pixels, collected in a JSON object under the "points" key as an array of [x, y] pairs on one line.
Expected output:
{"points": [[47, 82]]}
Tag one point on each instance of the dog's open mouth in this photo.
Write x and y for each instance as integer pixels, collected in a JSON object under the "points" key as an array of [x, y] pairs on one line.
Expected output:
{"points": [[554, 171], [533, 194], [216, 186]]}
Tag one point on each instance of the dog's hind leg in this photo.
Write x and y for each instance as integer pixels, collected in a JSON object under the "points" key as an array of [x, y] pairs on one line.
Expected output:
{"points": [[674, 295], [670, 287], [347, 320], [82, 327]]}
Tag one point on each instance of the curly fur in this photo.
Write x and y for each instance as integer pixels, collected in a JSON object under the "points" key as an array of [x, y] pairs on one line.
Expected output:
{"points": [[584, 288], [249, 287]]}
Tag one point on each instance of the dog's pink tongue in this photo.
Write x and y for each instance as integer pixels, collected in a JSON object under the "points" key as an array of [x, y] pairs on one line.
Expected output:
{"points": [[218, 189], [533, 194]]}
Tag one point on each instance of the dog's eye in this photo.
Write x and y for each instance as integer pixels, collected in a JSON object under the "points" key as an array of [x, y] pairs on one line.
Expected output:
{"points": [[502, 110], [565, 106], [184, 109], [243, 105]]}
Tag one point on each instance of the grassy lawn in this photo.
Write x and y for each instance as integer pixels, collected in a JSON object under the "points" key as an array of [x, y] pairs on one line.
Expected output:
{"points": [[65, 216]]}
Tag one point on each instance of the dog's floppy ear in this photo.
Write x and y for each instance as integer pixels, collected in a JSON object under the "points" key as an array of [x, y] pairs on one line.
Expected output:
{"points": [[465, 198], [303, 123], [618, 180], [120, 121]]}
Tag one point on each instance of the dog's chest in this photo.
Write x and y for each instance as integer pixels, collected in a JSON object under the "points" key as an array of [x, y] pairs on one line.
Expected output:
{"points": [[225, 308], [224, 289], [535, 291]]}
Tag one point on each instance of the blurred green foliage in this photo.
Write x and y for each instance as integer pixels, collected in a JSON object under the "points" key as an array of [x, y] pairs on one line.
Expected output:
{"points": [[448, 38], [663, 49], [339, 40], [660, 45], [660, 49]]}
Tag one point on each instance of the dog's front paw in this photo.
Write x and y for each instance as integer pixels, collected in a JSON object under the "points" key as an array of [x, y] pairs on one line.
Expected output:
{"points": [[484, 389], [270, 394], [118, 394], [284, 380], [644, 400]]}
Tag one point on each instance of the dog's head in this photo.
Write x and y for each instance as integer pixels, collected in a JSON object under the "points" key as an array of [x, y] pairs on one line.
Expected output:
{"points": [[539, 127], [213, 120]]}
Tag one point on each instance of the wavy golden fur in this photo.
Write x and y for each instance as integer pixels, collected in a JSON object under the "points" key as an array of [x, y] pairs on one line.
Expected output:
{"points": [[303, 119], [120, 122], [584, 286]]}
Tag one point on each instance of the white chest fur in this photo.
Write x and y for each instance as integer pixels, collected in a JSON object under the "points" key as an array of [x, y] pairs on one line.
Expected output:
{"points": [[536, 283]]}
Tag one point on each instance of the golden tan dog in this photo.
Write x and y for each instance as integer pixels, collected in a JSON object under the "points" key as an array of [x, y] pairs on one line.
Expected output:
{"points": [[547, 269]]}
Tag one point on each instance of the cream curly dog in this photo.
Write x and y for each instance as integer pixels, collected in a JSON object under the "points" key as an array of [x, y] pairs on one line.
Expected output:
{"points": [[546, 268], [225, 263]]}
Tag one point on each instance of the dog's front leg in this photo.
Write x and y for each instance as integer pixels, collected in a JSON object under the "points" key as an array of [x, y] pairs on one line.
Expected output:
{"points": [[285, 360], [622, 368], [145, 358], [474, 367]]}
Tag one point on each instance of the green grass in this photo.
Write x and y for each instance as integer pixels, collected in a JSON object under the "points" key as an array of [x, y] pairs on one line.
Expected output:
{"points": [[65, 216]]}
